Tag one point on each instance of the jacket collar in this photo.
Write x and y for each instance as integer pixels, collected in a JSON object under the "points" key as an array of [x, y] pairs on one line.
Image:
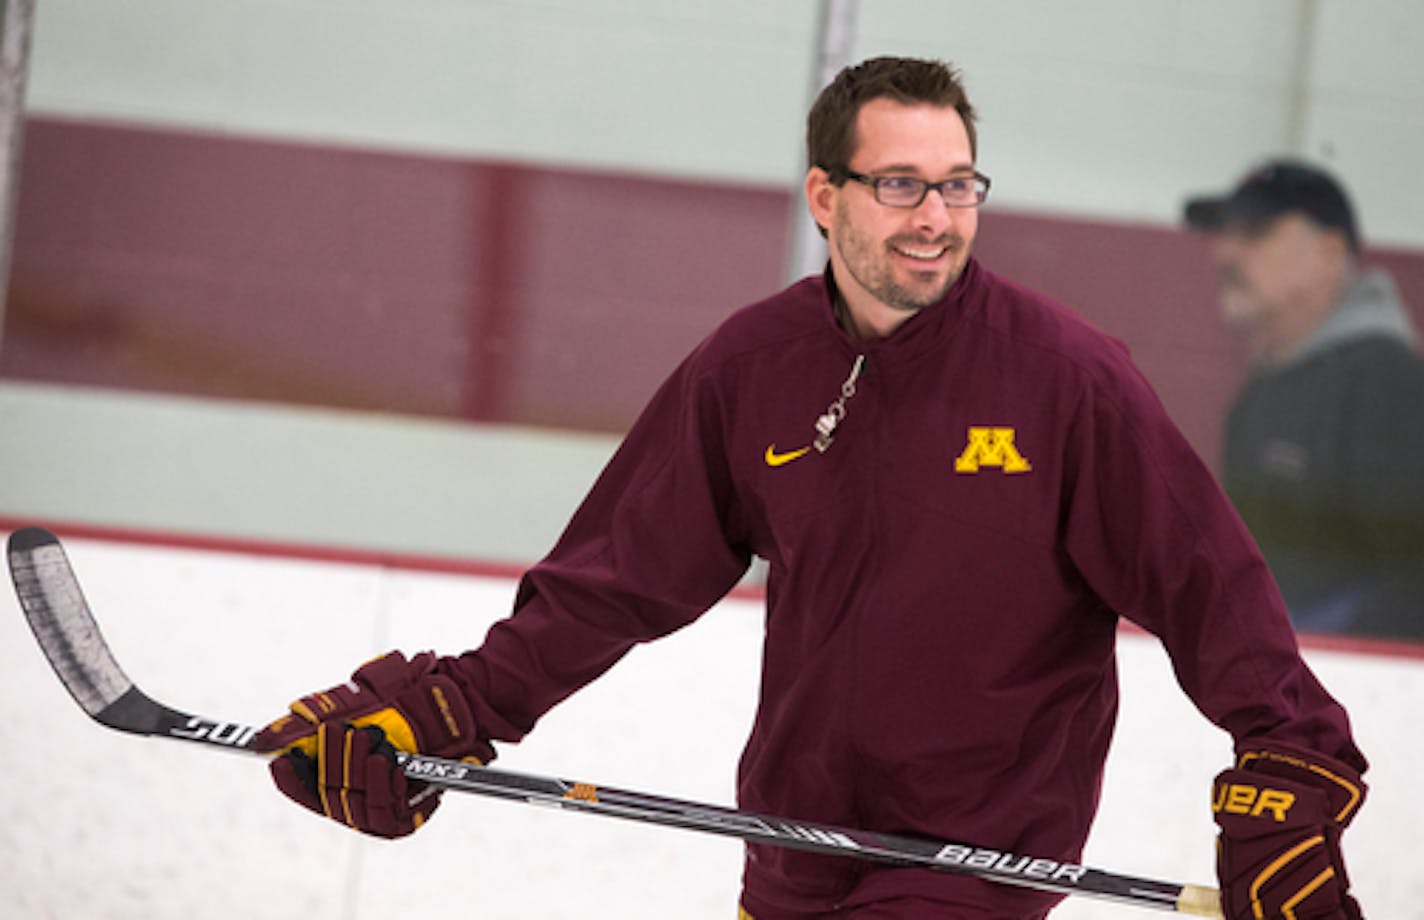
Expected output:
{"points": [[1369, 307]]}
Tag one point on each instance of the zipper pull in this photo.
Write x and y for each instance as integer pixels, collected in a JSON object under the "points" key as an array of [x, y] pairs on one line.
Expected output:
{"points": [[826, 425]]}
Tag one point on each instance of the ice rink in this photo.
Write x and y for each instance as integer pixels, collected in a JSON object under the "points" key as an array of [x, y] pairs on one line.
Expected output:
{"points": [[97, 824]]}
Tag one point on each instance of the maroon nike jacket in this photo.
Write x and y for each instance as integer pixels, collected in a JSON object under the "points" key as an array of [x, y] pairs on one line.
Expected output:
{"points": [[945, 579]]}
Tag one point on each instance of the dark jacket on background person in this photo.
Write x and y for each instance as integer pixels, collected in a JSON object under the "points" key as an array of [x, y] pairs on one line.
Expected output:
{"points": [[1324, 458]]}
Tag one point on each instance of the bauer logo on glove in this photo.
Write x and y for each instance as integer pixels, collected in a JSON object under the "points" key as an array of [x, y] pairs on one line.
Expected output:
{"points": [[1247, 799]]}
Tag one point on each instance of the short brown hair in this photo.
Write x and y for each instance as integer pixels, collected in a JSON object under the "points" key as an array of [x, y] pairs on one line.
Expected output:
{"points": [[830, 126]]}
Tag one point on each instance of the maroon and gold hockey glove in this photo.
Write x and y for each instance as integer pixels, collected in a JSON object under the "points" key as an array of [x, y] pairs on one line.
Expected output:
{"points": [[338, 747], [1281, 811]]}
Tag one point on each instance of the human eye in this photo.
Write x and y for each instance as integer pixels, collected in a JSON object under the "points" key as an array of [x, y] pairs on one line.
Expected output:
{"points": [[900, 184], [900, 191], [962, 191]]}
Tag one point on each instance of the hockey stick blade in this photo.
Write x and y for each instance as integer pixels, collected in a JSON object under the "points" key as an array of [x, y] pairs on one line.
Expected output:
{"points": [[60, 618]]}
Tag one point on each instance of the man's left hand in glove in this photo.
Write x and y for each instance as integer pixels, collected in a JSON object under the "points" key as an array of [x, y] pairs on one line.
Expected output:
{"points": [[1281, 812]]}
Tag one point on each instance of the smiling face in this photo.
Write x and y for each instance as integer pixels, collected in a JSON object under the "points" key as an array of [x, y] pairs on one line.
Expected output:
{"points": [[891, 262]]}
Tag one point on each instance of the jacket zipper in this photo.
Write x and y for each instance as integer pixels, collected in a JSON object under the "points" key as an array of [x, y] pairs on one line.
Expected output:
{"points": [[826, 425]]}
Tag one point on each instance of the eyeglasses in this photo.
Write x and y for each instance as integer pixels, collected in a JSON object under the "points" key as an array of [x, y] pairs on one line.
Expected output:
{"points": [[908, 192]]}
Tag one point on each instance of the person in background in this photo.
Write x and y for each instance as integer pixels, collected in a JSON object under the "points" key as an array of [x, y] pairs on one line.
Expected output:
{"points": [[960, 487], [1324, 446]]}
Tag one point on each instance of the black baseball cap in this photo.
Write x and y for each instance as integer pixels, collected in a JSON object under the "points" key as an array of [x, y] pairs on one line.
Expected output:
{"points": [[1271, 190]]}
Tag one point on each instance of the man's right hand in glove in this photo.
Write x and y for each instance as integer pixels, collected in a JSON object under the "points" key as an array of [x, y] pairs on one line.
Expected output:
{"points": [[337, 748]]}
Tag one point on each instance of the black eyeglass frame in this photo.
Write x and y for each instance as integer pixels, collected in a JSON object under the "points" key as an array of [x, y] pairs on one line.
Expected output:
{"points": [[982, 183]]}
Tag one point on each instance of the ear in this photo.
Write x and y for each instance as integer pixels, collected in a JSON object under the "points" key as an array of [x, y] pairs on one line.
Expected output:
{"points": [[820, 196]]}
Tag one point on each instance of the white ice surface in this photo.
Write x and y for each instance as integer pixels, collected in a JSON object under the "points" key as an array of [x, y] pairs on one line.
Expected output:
{"points": [[96, 824]]}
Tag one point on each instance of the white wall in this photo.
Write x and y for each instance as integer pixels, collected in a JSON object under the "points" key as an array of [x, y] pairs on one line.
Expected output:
{"points": [[1112, 108], [634, 84], [319, 477], [98, 825]]}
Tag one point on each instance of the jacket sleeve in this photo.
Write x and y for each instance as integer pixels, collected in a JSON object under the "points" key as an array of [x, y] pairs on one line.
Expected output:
{"points": [[653, 545], [1154, 535]]}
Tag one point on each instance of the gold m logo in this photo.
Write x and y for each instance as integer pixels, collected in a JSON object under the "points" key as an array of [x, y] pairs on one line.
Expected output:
{"points": [[991, 447]]}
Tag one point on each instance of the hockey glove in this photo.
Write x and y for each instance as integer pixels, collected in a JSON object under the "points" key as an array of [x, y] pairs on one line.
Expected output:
{"points": [[1281, 811], [338, 747]]}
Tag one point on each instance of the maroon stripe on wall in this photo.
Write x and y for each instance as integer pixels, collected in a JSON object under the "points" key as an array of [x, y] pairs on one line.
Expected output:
{"points": [[218, 266]]}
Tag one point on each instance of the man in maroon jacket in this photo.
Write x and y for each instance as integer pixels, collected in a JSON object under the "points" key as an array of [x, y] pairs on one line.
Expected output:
{"points": [[959, 488]]}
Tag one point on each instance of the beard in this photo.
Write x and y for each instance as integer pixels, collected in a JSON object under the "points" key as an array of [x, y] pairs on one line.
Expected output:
{"points": [[871, 264]]}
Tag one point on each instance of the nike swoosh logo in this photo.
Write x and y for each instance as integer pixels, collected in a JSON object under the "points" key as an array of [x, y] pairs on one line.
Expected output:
{"points": [[775, 459]]}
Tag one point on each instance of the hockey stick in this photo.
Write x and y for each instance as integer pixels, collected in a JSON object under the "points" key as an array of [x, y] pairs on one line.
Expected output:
{"points": [[54, 605]]}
